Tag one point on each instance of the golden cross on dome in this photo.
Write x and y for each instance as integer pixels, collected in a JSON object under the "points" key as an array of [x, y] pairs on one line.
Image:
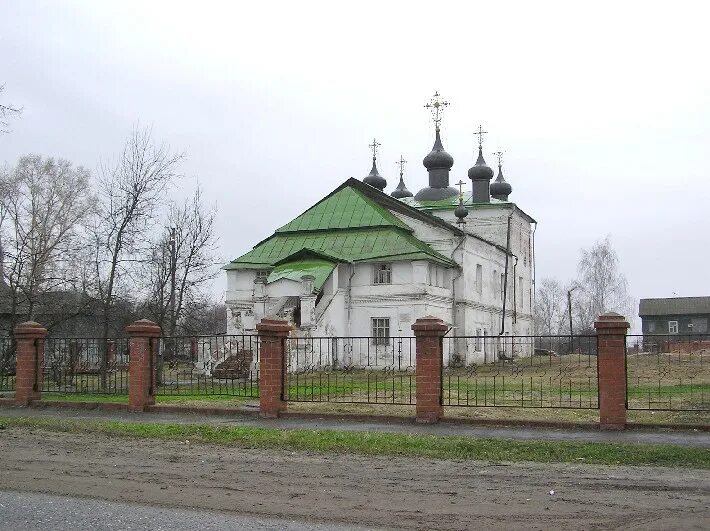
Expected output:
{"points": [[401, 162], [437, 106], [375, 144], [460, 185], [480, 134]]}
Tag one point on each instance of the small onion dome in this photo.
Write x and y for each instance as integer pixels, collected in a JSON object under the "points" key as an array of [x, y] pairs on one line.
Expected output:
{"points": [[461, 211], [480, 171], [437, 157], [401, 190], [374, 179], [500, 189]]}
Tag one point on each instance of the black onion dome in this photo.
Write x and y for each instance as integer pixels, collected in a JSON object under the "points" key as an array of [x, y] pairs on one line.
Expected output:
{"points": [[461, 211], [401, 190], [480, 171], [500, 188], [437, 157], [374, 178]]}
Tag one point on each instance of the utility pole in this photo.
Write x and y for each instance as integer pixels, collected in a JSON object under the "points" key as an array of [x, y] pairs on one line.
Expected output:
{"points": [[173, 267]]}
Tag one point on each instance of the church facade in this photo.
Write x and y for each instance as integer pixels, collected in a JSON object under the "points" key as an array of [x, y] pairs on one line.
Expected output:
{"points": [[365, 263]]}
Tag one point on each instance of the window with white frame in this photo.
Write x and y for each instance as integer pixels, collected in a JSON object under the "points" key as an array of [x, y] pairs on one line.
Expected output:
{"points": [[651, 327], [672, 327], [494, 283], [383, 273], [477, 341], [381, 330], [261, 275]]}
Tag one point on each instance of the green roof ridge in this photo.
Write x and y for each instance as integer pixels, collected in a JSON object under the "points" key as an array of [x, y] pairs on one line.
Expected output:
{"points": [[346, 208]]}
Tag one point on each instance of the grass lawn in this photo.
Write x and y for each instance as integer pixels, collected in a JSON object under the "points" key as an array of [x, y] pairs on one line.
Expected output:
{"points": [[385, 443]]}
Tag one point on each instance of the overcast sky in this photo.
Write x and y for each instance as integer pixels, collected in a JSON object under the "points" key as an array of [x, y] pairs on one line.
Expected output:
{"points": [[603, 109]]}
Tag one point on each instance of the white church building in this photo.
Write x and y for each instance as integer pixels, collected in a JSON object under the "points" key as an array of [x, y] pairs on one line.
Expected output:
{"points": [[362, 262]]}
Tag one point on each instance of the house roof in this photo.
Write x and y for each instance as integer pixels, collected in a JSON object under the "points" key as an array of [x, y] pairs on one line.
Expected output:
{"points": [[674, 306], [348, 225]]}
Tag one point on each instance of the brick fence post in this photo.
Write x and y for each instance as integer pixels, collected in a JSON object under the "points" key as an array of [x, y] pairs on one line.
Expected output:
{"points": [[272, 366], [611, 365], [429, 333], [29, 338], [142, 363]]}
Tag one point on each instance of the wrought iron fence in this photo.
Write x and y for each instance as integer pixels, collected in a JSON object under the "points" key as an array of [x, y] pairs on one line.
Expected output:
{"points": [[351, 369], [668, 372], [208, 365], [521, 371], [8, 364], [85, 366]]}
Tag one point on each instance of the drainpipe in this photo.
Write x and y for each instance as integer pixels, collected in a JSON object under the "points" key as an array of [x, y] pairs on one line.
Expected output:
{"points": [[515, 291], [532, 258], [350, 290], [453, 284], [505, 280]]}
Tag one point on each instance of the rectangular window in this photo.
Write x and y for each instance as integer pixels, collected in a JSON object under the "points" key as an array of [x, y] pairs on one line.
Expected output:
{"points": [[381, 330], [261, 275], [479, 278], [521, 297], [477, 341], [502, 286], [494, 284], [383, 274], [651, 327], [672, 327]]}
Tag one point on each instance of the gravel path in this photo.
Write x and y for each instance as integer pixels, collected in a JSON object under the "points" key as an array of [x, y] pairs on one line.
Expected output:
{"points": [[389, 492]]}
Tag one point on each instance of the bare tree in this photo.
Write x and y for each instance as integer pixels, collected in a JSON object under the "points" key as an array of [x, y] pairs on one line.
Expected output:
{"points": [[604, 287], [130, 193], [550, 311], [44, 204], [7, 111], [182, 263]]}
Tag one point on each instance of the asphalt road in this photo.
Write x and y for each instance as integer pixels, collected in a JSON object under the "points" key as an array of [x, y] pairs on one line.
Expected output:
{"points": [[21, 511]]}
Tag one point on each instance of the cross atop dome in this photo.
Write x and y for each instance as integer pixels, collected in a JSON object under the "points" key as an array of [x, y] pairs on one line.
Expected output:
{"points": [[437, 106], [480, 134], [401, 162], [374, 146]]}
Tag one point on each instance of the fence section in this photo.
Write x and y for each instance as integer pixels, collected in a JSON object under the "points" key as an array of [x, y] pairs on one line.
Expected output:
{"points": [[8, 364], [85, 366], [668, 372], [521, 371], [373, 370], [209, 365]]}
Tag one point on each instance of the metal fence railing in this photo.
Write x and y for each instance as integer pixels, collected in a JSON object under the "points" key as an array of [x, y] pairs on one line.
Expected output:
{"points": [[521, 371], [208, 365], [668, 372], [373, 370], [8, 364], [85, 366]]}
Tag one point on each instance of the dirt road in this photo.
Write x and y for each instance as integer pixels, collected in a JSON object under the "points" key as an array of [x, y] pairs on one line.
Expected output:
{"points": [[368, 491]]}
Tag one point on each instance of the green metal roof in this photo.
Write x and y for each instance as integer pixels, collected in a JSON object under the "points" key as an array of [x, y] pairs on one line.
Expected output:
{"points": [[347, 226], [346, 245], [347, 208], [320, 269]]}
